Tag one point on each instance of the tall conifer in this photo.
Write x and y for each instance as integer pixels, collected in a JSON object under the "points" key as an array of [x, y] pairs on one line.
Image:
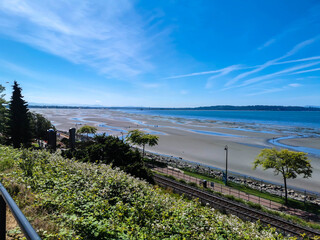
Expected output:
{"points": [[19, 123]]}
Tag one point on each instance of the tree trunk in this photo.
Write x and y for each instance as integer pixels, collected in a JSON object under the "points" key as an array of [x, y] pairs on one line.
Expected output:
{"points": [[285, 190]]}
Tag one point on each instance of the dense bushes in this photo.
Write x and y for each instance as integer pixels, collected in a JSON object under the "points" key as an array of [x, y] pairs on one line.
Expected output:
{"points": [[94, 201], [111, 150]]}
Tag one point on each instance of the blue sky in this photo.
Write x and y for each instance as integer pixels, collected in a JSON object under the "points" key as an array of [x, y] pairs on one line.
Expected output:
{"points": [[162, 53]]}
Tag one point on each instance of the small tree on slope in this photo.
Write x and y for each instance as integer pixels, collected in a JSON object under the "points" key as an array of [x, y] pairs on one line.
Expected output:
{"points": [[287, 163]]}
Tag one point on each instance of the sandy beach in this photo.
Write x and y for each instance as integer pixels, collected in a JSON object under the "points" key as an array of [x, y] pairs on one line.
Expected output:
{"points": [[200, 141]]}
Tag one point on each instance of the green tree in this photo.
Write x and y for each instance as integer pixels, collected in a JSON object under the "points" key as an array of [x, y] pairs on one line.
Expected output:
{"points": [[111, 150], [87, 129], [19, 131], [141, 139], [40, 125], [3, 112], [287, 163]]}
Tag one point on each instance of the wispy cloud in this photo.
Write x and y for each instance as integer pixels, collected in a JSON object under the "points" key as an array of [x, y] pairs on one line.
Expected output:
{"points": [[307, 71], [19, 69], [106, 35], [149, 85], [223, 72], [299, 60], [276, 74], [267, 43], [269, 63], [273, 90], [295, 85]]}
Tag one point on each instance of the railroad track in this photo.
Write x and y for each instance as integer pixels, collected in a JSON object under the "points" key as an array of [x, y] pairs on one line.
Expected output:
{"points": [[242, 211]]}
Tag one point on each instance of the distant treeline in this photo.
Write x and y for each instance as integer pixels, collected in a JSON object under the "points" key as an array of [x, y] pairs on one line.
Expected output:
{"points": [[220, 107], [66, 107], [254, 108]]}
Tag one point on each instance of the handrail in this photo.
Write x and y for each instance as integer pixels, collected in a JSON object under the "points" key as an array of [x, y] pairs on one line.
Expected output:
{"points": [[25, 226]]}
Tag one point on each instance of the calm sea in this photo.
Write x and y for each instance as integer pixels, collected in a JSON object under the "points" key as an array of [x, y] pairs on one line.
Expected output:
{"points": [[291, 118]]}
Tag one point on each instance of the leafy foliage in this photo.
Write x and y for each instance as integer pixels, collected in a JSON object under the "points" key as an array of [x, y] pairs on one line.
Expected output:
{"points": [[94, 201], [289, 164], [111, 150], [39, 125], [139, 138], [87, 129]]}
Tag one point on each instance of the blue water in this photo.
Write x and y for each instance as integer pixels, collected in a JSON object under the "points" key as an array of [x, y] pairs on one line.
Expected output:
{"points": [[291, 118], [112, 128], [312, 151], [214, 133]]}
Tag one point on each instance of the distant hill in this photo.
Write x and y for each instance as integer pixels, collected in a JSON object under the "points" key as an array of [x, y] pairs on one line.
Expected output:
{"points": [[243, 108], [259, 108], [219, 107]]}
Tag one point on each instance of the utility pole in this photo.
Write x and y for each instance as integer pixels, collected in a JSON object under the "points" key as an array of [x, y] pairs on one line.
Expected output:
{"points": [[226, 176]]}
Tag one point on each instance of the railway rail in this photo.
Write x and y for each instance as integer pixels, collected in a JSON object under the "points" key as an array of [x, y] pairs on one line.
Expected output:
{"points": [[242, 211]]}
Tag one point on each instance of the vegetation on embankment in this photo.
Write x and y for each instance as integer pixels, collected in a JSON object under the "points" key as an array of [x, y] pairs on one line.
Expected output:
{"points": [[283, 215], [111, 150], [75, 200], [306, 206]]}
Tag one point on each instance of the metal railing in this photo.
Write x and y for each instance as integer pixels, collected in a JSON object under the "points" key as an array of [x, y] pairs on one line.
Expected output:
{"points": [[27, 229]]}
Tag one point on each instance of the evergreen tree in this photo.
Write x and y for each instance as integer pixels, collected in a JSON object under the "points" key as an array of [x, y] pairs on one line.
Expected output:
{"points": [[19, 123]]}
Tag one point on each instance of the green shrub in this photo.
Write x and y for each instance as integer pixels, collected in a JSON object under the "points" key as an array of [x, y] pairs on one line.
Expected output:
{"points": [[93, 201], [182, 181], [193, 184], [111, 150]]}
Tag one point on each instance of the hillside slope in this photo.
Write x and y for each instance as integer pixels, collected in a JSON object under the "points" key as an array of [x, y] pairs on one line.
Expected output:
{"points": [[73, 200]]}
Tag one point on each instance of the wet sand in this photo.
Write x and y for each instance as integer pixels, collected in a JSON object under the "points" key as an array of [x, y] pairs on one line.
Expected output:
{"points": [[200, 141]]}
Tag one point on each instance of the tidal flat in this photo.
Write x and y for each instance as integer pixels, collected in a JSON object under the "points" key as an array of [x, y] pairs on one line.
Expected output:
{"points": [[203, 140]]}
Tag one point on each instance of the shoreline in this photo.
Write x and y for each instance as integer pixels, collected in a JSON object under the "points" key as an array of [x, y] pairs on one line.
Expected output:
{"points": [[201, 141]]}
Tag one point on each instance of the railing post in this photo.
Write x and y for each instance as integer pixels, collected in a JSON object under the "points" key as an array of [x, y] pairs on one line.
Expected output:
{"points": [[3, 215]]}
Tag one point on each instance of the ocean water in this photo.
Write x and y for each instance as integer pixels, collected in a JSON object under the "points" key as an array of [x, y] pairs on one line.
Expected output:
{"points": [[290, 118]]}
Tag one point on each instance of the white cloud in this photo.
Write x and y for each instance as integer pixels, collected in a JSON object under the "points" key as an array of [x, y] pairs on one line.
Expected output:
{"points": [[267, 44], [295, 85], [184, 92], [234, 67], [18, 69], [269, 63], [299, 60], [149, 85], [306, 71], [223, 72], [106, 35], [275, 74], [272, 90]]}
